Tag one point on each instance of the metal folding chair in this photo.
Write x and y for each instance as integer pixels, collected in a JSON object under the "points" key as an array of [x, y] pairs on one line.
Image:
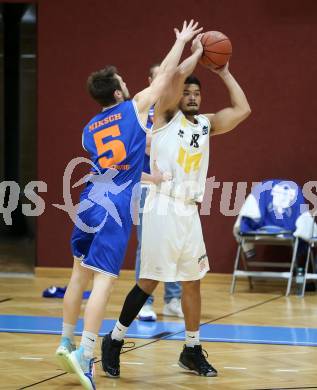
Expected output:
{"points": [[282, 233], [260, 238], [310, 258]]}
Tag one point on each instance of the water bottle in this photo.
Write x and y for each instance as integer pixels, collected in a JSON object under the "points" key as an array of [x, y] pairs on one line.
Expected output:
{"points": [[299, 280]]}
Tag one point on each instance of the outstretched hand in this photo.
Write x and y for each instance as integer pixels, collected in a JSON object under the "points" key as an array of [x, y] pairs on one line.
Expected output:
{"points": [[188, 31], [197, 45]]}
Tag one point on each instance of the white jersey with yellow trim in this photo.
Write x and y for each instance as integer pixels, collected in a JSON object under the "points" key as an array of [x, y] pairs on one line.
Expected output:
{"points": [[181, 148]]}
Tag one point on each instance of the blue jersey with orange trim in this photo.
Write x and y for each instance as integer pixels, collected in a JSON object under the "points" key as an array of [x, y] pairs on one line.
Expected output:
{"points": [[115, 139], [149, 124]]}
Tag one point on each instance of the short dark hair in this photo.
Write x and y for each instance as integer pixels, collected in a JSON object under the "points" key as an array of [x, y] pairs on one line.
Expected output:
{"points": [[192, 79], [102, 84]]}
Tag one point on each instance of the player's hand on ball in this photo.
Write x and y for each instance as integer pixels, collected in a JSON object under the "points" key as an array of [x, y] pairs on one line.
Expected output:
{"points": [[223, 70], [188, 31], [197, 45]]}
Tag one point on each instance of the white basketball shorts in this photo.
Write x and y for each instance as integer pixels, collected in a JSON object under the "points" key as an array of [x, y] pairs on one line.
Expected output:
{"points": [[173, 247]]}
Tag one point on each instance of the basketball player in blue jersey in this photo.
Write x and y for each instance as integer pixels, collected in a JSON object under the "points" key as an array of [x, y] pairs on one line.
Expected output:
{"points": [[172, 290], [180, 145], [115, 140]]}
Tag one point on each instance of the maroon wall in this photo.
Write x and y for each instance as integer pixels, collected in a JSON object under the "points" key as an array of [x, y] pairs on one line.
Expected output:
{"points": [[275, 56]]}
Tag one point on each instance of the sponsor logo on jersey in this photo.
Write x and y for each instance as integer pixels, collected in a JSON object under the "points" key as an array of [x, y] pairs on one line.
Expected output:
{"points": [[205, 130], [188, 161], [194, 141], [181, 133]]}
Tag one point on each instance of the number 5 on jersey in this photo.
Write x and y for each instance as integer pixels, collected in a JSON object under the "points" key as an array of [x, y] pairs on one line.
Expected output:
{"points": [[115, 146], [188, 161]]}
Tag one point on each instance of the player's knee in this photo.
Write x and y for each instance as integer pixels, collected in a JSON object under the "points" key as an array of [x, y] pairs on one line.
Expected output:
{"points": [[147, 285], [191, 285]]}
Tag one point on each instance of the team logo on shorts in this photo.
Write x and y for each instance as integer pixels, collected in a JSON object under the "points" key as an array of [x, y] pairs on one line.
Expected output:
{"points": [[202, 262]]}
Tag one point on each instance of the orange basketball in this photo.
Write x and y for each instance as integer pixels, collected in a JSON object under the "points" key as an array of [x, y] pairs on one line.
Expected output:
{"points": [[217, 49]]}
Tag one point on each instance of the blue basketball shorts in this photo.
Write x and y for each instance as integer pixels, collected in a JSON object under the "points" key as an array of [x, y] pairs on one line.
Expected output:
{"points": [[103, 250]]}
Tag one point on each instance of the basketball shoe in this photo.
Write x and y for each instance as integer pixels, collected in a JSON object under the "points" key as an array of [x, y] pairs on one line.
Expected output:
{"points": [[110, 355], [173, 308], [147, 313], [83, 368], [193, 359], [62, 353]]}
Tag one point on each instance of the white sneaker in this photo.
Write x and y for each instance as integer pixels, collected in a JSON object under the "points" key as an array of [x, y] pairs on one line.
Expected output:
{"points": [[62, 353], [147, 313], [83, 368], [173, 308]]}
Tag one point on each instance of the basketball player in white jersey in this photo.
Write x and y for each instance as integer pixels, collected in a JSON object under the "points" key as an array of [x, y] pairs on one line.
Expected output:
{"points": [[173, 247]]}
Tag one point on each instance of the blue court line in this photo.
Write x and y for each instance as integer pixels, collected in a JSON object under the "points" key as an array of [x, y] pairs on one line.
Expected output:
{"points": [[148, 330]]}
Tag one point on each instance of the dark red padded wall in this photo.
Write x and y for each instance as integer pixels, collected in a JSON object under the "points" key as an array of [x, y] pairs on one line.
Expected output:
{"points": [[274, 59]]}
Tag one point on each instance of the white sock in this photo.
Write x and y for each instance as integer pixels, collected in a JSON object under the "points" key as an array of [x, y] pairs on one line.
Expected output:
{"points": [[88, 342], [68, 331], [118, 331], [192, 338]]}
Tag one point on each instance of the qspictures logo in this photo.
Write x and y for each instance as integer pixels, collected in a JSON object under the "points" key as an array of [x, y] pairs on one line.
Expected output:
{"points": [[103, 190]]}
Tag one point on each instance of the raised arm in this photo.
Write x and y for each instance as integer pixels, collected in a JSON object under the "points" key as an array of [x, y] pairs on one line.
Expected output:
{"points": [[149, 96], [172, 94], [228, 118], [182, 37]]}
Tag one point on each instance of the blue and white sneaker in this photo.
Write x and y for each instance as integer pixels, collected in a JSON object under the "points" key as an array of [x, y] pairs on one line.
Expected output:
{"points": [[147, 313], [62, 353], [83, 368]]}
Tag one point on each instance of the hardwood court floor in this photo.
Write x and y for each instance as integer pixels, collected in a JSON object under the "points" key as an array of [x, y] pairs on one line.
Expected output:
{"points": [[27, 360]]}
